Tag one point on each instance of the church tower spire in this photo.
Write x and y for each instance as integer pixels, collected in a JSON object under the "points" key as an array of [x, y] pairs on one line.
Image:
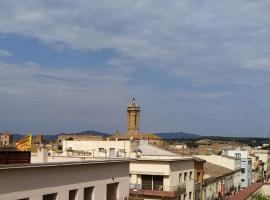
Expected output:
{"points": [[133, 118]]}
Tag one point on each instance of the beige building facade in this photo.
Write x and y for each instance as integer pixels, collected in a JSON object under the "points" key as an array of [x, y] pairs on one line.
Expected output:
{"points": [[264, 156], [6, 139], [219, 188], [87, 180], [167, 177]]}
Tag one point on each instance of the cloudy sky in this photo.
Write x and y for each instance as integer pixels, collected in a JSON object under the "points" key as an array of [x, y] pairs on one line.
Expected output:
{"points": [[200, 66]]}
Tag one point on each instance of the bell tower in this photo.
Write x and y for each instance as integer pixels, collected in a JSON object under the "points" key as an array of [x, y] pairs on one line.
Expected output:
{"points": [[133, 118]]}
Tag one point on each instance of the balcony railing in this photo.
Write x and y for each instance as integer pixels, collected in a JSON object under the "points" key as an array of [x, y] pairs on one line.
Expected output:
{"points": [[157, 190], [15, 157]]}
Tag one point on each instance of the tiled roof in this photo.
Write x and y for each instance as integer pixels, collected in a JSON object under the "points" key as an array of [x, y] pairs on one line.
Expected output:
{"points": [[247, 192], [136, 136], [215, 170]]}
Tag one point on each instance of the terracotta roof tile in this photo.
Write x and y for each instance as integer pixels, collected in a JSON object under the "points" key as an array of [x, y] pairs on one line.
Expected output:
{"points": [[247, 192]]}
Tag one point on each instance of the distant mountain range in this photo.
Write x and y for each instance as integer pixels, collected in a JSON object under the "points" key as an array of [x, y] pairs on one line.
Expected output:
{"points": [[53, 137], [178, 135], [169, 135], [88, 132]]}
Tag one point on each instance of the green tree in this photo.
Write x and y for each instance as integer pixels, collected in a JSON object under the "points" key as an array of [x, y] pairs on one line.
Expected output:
{"points": [[260, 196]]}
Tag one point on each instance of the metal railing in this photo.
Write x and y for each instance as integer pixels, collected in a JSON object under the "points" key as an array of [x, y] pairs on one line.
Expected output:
{"points": [[167, 188], [15, 157]]}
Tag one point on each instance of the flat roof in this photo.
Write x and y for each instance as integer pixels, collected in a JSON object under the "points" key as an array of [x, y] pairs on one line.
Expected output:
{"points": [[53, 164], [164, 159]]}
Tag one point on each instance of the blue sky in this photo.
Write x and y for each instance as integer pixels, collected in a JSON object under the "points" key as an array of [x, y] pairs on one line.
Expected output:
{"points": [[195, 66]]}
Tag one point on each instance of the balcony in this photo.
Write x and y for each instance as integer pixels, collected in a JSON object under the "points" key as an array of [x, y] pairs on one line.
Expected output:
{"points": [[156, 190], [15, 157]]}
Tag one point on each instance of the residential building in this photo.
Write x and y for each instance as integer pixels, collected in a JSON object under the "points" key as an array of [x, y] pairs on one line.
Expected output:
{"points": [[105, 179], [229, 162], [162, 177], [199, 178], [264, 156], [169, 175], [220, 182], [78, 137], [97, 148], [257, 169], [257, 190], [6, 139], [246, 165]]}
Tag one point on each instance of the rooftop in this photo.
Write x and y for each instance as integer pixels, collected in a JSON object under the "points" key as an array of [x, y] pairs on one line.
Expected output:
{"points": [[215, 170], [135, 136], [247, 192], [51, 164], [152, 150], [165, 158]]}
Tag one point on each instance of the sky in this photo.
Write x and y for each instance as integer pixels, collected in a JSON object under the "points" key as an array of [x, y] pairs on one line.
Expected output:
{"points": [[198, 66]]}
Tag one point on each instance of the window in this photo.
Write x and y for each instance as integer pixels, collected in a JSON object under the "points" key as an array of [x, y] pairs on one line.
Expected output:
{"points": [[198, 176], [185, 176], [242, 170], [24, 199], [189, 195], [185, 196], [180, 177], [73, 194], [158, 182], [150, 182], [88, 193], [112, 190], [238, 155], [112, 152], [190, 175], [147, 182], [50, 196]]}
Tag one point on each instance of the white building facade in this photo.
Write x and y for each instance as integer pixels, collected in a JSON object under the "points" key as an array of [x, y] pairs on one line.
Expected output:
{"points": [[246, 165], [106, 149], [229, 162], [154, 172], [162, 178]]}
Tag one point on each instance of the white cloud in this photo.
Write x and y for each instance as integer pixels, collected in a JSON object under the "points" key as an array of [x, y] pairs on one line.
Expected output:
{"points": [[187, 38], [207, 42], [5, 53]]}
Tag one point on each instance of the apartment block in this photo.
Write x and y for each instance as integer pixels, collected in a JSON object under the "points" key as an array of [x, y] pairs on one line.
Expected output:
{"points": [[81, 180], [246, 165], [6, 139], [166, 177]]}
